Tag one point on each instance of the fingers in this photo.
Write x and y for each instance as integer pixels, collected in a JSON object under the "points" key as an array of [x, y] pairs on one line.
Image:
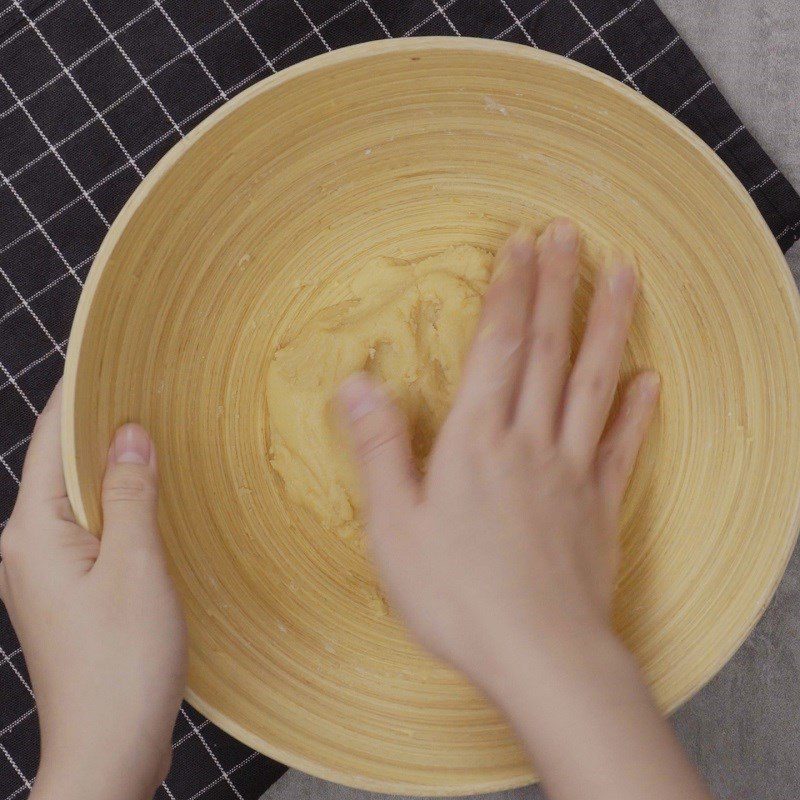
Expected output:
{"points": [[380, 444], [549, 337], [621, 443], [493, 366], [130, 494], [43, 473], [591, 386]]}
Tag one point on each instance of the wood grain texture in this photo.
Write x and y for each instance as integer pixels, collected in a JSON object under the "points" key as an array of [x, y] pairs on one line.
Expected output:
{"points": [[400, 150], [743, 729]]}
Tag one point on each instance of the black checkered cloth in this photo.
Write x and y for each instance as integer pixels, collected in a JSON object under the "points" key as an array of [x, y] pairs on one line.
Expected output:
{"points": [[94, 92]]}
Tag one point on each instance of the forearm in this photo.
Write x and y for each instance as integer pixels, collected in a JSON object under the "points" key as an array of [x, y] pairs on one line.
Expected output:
{"points": [[78, 783], [583, 712]]}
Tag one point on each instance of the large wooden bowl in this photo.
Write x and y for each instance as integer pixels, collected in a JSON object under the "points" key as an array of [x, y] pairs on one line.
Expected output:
{"points": [[401, 149]]}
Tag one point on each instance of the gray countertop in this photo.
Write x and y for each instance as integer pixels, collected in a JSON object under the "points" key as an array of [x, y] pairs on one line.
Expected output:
{"points": [[743, 729]]}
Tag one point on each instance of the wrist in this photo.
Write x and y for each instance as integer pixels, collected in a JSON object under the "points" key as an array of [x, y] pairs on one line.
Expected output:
{"points": [[580, 685], [95, 776], [546, 661]]}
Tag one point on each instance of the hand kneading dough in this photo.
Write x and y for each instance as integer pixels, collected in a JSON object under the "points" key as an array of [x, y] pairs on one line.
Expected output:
{"points": [[407, 323]]}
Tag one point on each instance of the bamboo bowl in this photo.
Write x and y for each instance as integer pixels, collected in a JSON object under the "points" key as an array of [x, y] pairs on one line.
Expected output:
{"points": [[402, 149]]}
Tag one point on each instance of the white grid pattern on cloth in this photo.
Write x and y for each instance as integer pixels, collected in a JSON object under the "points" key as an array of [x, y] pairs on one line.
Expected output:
{"points": [[788, 228], [225, 776], [249, 35], [122, 98], [443, 12], [37, 224], [38, 18], [78, 61], [10, 379], [425, 20], [518, 23], [43, 290], [10, 661], [600, 28], [26, 782], [774, 174], [82, 93], [519, 20], [10, 727], [13, 475], [652, 60], [131, 91], [191, 49], [211, 753], [689, 100], [176, 128], [313, 26], [133, 67], [186, 736], [176, 744], [377, 19], [12, 654], [13, 381], [13, 448], [25, 303], [730, 138], [596, 33], [10, 471]]}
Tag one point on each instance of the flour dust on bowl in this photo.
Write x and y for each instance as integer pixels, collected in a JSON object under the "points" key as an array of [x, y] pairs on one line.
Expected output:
{"points": [[265, 215]]}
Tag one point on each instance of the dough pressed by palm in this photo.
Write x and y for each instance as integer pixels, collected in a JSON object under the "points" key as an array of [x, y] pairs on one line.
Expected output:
{"points": [[409, 324]]}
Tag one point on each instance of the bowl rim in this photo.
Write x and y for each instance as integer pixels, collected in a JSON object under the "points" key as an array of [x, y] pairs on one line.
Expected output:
{"points": [[365, 50]]}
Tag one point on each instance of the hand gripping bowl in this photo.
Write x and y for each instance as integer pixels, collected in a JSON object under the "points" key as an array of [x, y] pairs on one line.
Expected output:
{"points": [[402, 149]]}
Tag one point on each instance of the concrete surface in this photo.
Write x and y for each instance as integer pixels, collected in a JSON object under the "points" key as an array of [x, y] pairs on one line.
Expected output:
{"points": [[743, 729]]}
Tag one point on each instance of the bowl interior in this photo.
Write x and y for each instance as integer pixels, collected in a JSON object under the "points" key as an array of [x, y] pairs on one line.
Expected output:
{"points": [[244, 231]]}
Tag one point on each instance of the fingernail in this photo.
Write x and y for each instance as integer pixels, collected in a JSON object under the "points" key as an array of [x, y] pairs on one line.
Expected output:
{"points": [[359, 396], [562, 233], [620, 271], [131, 445]]}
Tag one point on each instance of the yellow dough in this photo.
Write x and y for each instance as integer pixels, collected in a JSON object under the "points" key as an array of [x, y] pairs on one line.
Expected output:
{"points": [[408, 323]]}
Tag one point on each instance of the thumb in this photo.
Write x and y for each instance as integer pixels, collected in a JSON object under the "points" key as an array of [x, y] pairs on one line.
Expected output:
{"points": [[380, 445], [130, 492]]}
